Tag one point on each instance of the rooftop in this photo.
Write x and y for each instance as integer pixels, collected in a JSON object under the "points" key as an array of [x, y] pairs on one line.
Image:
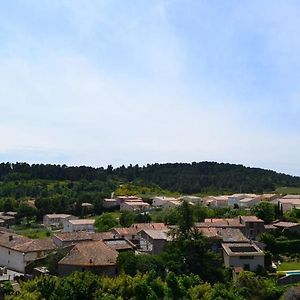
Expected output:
{"points": [[91, 253], [24, 244], [283, 224], [82, 222], [242, 249], [251, 219], [57, 216], [137, 203], [158, 234]]}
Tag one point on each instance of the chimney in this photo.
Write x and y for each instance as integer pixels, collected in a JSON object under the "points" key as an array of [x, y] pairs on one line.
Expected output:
{"points": [[10, 238]]}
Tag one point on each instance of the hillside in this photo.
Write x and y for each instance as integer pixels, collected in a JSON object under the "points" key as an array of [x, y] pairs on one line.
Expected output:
{"points": [[202, 177]]}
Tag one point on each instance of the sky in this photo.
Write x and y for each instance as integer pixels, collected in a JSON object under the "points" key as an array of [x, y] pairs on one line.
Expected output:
{"points": [[98, 82]]}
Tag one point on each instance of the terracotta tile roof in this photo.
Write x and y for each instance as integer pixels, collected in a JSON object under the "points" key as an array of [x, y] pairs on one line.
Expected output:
{"points": [[155, 226], [83, 236], [94, 253], [24, 244], [218, 222], [135, 228]]}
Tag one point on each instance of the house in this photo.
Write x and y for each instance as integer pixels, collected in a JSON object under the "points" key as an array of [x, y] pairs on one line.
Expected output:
{"points": [[56, 220], [192, 199], [134, 206], [160, 201], [79, 225], [119, 245], [93, 256], [217, 201], [17, 251], [221, 223], [253, 226], [153, 241], [122, 199], [131, 233], [109, 203], [287, 226], [171, 204], [236, 199], [248, 256], [7, 221], [248, 202], [288, 204]]}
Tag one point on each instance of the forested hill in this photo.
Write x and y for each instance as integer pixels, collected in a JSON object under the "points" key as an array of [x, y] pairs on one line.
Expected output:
{"points": [[181, 177]]}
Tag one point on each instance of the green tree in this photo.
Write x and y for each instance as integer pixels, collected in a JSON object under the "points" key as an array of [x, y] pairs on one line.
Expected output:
{"points": [[105, 222], [265, 211], [127, 218], [26, 211]]}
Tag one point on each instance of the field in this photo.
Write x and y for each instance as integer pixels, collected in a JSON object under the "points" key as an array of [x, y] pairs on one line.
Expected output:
{"points": [[288, 190], [31, 232], [289, 266]]}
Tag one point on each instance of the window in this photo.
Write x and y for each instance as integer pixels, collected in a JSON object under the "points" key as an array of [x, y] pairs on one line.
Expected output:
{"points": [[246, 267], [8, 252]]}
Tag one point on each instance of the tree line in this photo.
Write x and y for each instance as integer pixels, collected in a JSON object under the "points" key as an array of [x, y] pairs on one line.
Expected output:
{"points": [[190, 178]]}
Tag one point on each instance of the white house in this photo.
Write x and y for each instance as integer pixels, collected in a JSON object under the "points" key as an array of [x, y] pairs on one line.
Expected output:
{"points": [[79, 225], [17, 251], [245, 255], [161, 200], [134, 206], [56, 220], [248, 202]]}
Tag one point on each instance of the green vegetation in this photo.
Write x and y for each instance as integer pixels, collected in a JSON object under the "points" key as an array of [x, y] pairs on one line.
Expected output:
{"points": [[34, 233], [288, 266], [105, 222], [288, 190], [84, 285]]}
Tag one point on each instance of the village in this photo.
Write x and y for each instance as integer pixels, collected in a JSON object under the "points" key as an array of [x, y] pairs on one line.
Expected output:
{"points": [[82, 248]]}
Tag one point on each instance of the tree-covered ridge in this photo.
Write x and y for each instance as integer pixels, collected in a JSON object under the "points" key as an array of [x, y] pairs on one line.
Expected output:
{"points": [[202, 177]]}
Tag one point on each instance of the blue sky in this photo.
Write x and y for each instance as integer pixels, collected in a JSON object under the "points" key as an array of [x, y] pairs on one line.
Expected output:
{"points": [[116, 82]]}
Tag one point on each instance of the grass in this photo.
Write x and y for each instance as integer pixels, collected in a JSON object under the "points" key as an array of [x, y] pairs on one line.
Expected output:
{"points": [[289, 266], [288, 190], [33, 233]]}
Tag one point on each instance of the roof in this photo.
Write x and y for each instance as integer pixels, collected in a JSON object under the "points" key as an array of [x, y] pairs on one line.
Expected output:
{"points": [[136, 203], [135, 228], [242, 249], [119, 244], [91, 253], [291, 197], [227, 235], [157, 234], [283, 224], [24, 244], [6, 218], [82, 235], [155, 226], [251, 219], [57, 216], [86, 204], [82, 222], [221, 222], [125, 231], [232, 235], [165, 198]]}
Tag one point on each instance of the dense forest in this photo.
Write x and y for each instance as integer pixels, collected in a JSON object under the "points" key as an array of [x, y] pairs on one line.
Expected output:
{"points": [[202, 177]]}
